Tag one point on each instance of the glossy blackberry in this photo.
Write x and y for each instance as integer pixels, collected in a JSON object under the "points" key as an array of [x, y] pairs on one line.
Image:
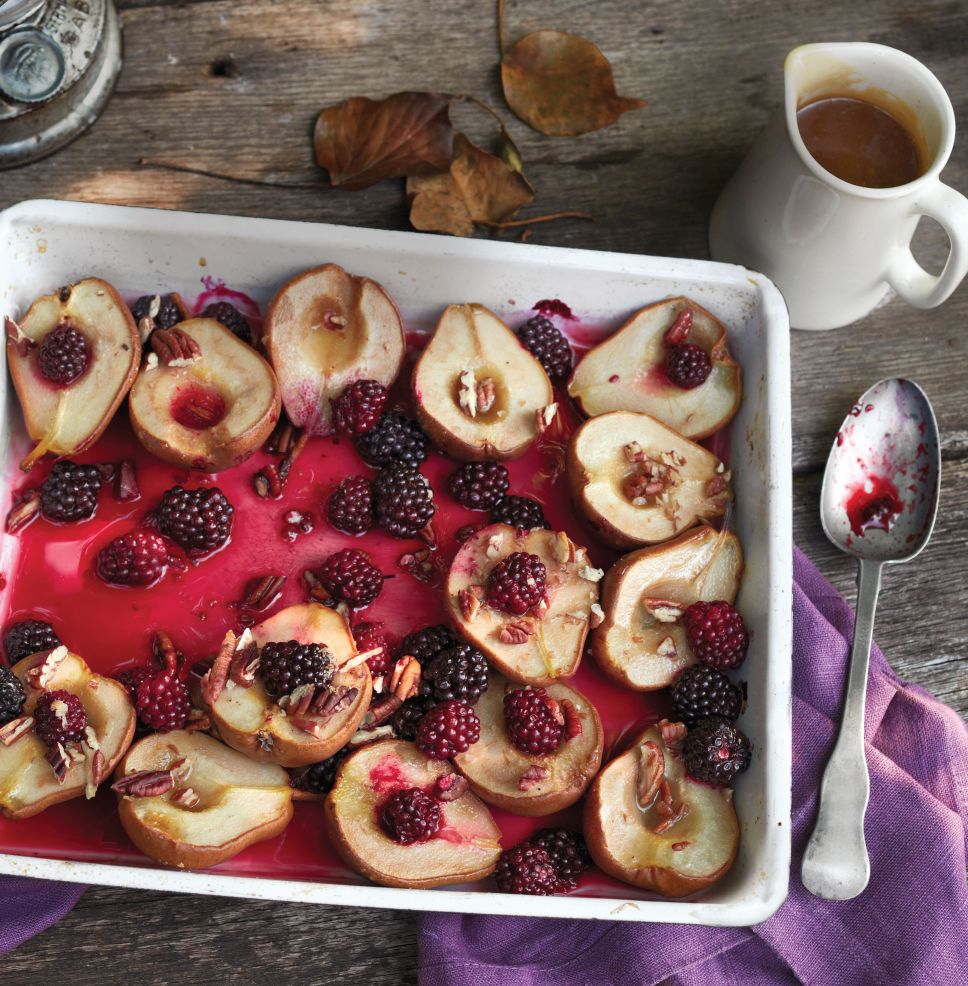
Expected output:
{"points": [[163, 702], [699, 692], [130, 678], [544, 340], [357, 410], [517, 583], [519, 511], [351, 577], [136, 559], [458, 672], [568, 852], [527, 869], [530, 721], [478, 485], [318, 778], [59, 717], [716, 751], [427, 643], [394, 439], [27, 637], [717, 634], [372, 636], [69, 492], [63, 354], [448, 729], [286, 666], [231, 318], [688, 365], [169, 313], [11, 695], [407, 718], [199, 521], [411, 816], [403, 501], [350, 506]]}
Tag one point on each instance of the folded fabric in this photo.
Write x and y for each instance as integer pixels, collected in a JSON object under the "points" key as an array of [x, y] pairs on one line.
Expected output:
{"points": [[909, 926], [28, 907]]}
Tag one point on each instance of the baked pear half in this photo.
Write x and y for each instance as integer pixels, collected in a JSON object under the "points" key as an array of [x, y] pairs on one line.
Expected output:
{"points": [[249, 720], [641, 643], [325, 329], [465, 848], [203, 399], [546, 643], [72, 358], [639, 482], [478, 393], [187, 800], [525, 783], [627, 372], [29, 780], [648, 823]]}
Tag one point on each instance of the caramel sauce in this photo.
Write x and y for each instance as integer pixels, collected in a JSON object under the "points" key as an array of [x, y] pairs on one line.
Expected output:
{"points": [[860, 142]]}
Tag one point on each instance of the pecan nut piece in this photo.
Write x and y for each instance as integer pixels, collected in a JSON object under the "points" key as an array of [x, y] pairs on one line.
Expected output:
{"points": [[449, 787], [650, 774], [175, 347], [516, 632], [12, 731], [144, 784]]}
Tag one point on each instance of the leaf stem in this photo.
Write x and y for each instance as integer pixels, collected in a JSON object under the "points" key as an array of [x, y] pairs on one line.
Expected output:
{"points": [[568, 214], [259, 182], [500, 28]]}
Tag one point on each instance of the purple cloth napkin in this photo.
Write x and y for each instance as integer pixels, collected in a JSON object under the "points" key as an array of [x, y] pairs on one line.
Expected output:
{"points": [[28, 907], [910, 925]]}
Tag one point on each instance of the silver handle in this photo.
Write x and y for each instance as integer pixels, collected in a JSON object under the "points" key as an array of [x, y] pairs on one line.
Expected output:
{"points": [[836, 865]]}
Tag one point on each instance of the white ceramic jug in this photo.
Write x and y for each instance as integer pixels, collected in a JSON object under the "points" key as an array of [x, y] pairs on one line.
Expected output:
{"points": [[837, 250]]}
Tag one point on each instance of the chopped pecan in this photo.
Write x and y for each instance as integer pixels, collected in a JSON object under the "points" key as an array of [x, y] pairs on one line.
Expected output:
{"points": [[678, 814], [97, 771], [673, 734], [664, 610], [634, 452], [650, 774], [379, 713], [270, 480], [164, 651], [126, 482], [297, 703], [467, 393], [679, 846], [572, 719], [663, 804], [420, 564], [16, 335], [42, 673], [516, 632], [449, 787], [216, 678], [26, 509], [355, 660], [596, 617], [282, 438], [261, 592], [534, 775], [564, 548], [11, 731], [328, 703], [175, 347], [245, 661], [470, 600], [60, 760], [716, 485], [185, 797], [591, 574], [407, 683], [364, 735], [144, 784], [667, 648], [465, 532], [486, 395], [198, 721], [312, 726], [678, 332]]}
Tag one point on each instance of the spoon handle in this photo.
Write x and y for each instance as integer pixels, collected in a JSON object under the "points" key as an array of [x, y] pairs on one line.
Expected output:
{"points": [[835, 864]]}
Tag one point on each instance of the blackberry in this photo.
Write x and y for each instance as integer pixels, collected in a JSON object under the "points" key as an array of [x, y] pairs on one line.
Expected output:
{"points": [[63, 354], [28, 637], [394, 439], [517, 583], [478, 485], [11, 695], [357, 410], [130, 678], [530, 721], [231, 318], [318, 778], [162, 701], [427, 643], [527, 869], [448, 729], [59, 717], [136, 559], [716, 751], [286, 666], [350, 576], [717, 634], [70, 492], [458, 672], [350, 506], [568, 852], [403, 501], [169, 313], [544, 340], [407, 718], [411, 816], [699, 692], [369, 636], [519, 511], [688, 365], [199, 521]]}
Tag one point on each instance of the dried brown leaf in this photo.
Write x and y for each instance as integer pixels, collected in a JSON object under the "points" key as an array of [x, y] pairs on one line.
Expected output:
{"points": [[362, 141], [561, 84]]}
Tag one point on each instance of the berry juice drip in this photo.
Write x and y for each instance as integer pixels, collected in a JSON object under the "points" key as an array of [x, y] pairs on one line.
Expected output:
{"points": [[875, 504]]}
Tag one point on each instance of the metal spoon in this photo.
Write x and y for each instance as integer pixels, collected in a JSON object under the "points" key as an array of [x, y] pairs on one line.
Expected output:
{"points": [[878, 503]]}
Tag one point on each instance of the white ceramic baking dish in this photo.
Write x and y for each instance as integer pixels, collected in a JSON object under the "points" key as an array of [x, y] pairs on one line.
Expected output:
{"points": [[44, 244]]}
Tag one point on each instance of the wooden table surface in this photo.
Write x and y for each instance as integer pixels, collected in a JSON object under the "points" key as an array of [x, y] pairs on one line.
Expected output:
{"points": [[232, 87]]}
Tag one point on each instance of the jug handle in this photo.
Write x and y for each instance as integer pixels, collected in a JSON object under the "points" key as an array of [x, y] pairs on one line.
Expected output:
{"points": [[908, 278]]}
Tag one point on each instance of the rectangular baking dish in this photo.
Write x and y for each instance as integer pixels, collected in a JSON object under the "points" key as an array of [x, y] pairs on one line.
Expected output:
{"points": [[44, 244]]}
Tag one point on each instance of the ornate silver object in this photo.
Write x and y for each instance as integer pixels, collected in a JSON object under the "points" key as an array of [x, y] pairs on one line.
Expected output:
{"points": [[59, 60]]}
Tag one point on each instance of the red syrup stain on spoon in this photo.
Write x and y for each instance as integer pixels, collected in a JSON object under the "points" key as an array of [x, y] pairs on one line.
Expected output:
{"points": [[875, 504]]}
